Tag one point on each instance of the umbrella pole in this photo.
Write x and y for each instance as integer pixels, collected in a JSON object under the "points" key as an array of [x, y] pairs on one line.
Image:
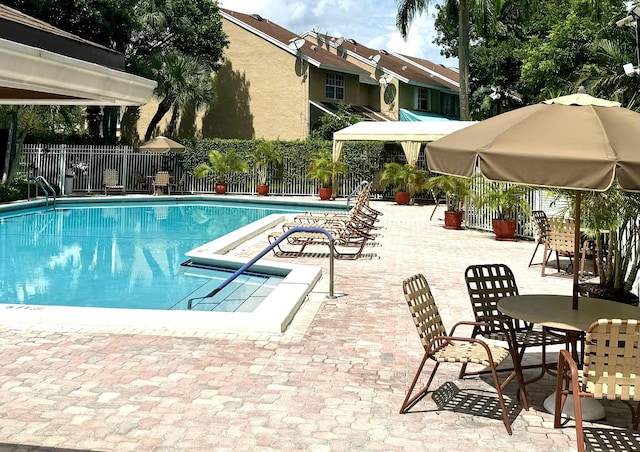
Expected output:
{"points": [[576, 250]]}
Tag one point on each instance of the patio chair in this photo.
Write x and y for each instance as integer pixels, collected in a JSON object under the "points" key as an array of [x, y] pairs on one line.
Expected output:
{"points": [[178, 187], [611, 371], [542, 224], [110, 180], [441, 347], [160, 181], [560, 239], [346, 236], [486, 285]]}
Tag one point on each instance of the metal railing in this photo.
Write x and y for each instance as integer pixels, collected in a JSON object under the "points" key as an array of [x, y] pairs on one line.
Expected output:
{"points": [[260, 255], [46, 188]]}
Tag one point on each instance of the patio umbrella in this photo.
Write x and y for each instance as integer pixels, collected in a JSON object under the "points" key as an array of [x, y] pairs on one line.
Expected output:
{"points": [[161, 145], [577, 142]]}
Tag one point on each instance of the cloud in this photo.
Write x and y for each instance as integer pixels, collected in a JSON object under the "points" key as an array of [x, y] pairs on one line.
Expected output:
{"points": [[371, 22]]}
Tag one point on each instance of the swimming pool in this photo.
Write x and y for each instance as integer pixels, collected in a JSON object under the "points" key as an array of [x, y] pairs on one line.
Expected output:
{"points": [[124, 255]]}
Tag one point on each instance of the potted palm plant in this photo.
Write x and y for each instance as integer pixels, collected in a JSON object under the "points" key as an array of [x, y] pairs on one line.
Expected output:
{"points": [[611, 220], [324, 169], [262, 156], [455, 189], [406, 180], [223, 164], [507, 202]]}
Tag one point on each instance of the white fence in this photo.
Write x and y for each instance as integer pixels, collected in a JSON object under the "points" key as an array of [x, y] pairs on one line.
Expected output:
{"points": [[135, 170]]}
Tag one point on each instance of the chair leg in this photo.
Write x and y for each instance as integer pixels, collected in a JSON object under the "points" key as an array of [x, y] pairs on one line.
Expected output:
{"points": [[544, 259], [534, 254], [408, 400], [503, 405], [567, 384]]}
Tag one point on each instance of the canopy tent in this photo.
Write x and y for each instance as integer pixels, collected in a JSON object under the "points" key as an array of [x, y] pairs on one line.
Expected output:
{"points": [[410, 134]]}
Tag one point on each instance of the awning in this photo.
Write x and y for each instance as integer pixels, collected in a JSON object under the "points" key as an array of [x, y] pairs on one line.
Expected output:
{"points": [[29, 75], [400, 131], [417, 116], [364, 112]]}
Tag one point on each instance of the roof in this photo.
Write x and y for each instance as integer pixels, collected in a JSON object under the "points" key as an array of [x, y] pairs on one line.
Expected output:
{"points": [[446, 74], [281, 37], [404, 69], [43, 65], [399, 130]]}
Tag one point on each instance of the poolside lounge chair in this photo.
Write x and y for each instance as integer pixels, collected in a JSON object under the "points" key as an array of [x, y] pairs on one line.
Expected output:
{"points": [[486, 285], [610, 371], [441, 347], [110, 181], [361, 205], [345, 237], [160, 181]]}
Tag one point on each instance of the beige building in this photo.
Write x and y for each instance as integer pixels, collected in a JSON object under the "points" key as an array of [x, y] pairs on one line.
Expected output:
{"points": [[276, 84]]}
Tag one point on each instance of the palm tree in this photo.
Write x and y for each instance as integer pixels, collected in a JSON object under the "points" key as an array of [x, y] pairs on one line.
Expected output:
{"points": [[483, 12], [182, 80]]}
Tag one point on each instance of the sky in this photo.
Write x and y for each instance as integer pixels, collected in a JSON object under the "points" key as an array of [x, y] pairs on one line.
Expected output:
{"points": [[371, 22]]}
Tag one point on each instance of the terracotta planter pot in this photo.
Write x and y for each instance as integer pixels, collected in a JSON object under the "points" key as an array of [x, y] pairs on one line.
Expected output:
{"points": [[325, 193], [263, 190], [505, 230], [221, 188], [402, 198], [453, 220]]}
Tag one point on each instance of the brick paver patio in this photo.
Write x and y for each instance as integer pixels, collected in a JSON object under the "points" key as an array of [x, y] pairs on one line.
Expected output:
{"points": [[333, 382]]}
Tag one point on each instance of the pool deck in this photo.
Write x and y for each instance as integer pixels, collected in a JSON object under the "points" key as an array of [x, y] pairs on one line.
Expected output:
{"points": [[334, 381]]}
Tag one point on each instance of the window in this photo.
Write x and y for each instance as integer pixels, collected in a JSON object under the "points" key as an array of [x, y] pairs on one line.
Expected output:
{"points": [[335, 86], [448, 105], [424, 99]]}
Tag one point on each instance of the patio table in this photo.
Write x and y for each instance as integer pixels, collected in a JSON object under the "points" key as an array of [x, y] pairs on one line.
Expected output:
{"points": [[555, 312]]}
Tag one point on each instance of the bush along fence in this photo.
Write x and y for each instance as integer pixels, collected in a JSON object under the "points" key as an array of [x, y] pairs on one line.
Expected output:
{"points": [[364, 161]]}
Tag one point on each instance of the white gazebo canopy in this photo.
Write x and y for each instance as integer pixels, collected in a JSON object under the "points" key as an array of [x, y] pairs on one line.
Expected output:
{"points": [[409, 134]]}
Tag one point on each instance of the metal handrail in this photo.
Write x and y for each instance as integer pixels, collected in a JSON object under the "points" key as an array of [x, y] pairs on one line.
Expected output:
{"points": [[356, 190], [286, 234], [39, 180]]}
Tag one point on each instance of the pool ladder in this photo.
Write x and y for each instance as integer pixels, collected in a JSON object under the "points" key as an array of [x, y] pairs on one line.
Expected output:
{"points": [[45, 186], [260, 255]]}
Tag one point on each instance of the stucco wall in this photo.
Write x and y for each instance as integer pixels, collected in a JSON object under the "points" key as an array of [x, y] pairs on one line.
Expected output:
{"points": [[276, 82]]}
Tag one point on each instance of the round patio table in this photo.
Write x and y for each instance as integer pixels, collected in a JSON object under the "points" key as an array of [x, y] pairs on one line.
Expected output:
{"points": [[555, 311]]}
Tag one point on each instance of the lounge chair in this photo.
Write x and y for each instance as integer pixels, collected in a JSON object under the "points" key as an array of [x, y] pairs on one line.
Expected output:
{"points": [[160, 181], [441, 347], [345, 237], [110, 181]]}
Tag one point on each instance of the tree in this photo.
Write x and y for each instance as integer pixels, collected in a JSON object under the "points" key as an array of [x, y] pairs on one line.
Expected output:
{"points": [[328, 124], [182, 80], [409, 9]]}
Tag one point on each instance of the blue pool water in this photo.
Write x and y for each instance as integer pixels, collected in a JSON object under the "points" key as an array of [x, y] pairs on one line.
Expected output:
{"points": [[122, 256]]}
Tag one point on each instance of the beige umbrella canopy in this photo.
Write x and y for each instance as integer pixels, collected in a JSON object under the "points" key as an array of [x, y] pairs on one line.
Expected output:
{"points": [[161, 145], [578, 142]]}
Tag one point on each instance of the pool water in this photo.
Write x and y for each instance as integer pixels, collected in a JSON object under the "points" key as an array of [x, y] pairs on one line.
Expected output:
{"points": [[123, 256]]}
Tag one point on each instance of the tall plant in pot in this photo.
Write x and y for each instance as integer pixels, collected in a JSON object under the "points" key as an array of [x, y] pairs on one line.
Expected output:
{"points": [[611, 220], [323, 169], [456, 189], [263, 155], [507, 202], [405, 179], [224, 165]]}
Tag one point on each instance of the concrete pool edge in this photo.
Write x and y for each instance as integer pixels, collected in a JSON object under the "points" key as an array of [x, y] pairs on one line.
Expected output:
{"points": [[273, 316]]}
